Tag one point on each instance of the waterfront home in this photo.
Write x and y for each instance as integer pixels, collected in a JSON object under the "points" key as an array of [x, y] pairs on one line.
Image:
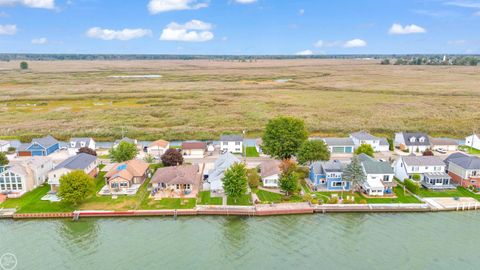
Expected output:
{"points": [[39, 147], [412, 142], [362, 137], [443, 144], [340, 145], [473, 141], [158, 148], [430, 168], [464, 169], [4, 145], [125, 139], [214, 181], [231, 143], [176, 181], [270, 173], [126, 177], [83, 162], [194, 149], [76, 143], [22, 176], [379, 176], [328, 175]]}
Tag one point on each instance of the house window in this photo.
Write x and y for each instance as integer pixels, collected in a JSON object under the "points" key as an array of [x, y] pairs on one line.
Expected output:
{"points": [[415, 168], [337, 184], [422, 139], [386, 178], [237, 143], [474, 173], [412, 139]]}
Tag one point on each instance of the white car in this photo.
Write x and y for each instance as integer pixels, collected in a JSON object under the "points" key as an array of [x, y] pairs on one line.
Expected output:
{"points": [[441, 151]]}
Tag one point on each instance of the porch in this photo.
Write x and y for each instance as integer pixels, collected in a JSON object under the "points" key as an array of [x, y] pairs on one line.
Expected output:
{"points": [[437, 181]]}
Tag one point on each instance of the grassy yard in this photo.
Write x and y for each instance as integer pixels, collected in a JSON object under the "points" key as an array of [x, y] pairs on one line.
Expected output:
{"points": [[459, 192], [204, 198], [245, 199], [401, 197], [469, 150], [269, 197], [168, 203], [252, 151]]}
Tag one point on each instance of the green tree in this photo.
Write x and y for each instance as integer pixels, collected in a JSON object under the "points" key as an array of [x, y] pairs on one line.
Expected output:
{"points": [[312, 151], [3, 159], [23, 65], [149, 158], [366, 149], [354, 173], [75, 187], [288, 180], [253, 178], [283, 137], [235, 181], [123, 152]]}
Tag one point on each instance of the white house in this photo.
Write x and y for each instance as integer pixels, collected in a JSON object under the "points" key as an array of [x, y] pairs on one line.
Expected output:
{"points": [[362, 137], [412, 142], [432, 171], [4, 145], [443, 143], [158, 148], [25, 175], [270, 173], [231, 143], [215, 175], [76, 143], [473, 141], [379, 176], [82, 161]]}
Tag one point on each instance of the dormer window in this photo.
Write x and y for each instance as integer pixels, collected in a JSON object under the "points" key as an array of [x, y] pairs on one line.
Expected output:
{"points": [[72, 144], [412, 139], [422, 139], [82, 144]]}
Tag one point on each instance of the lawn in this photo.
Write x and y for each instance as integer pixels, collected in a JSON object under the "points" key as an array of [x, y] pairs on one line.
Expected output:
{"points": [[252, 151], [168, 203], [269, 197], [206, 199], [245, 199], [470, 150], [459, 192], [31, 203], [401, 197]]}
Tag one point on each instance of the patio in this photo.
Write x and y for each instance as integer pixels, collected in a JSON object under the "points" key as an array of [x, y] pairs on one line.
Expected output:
{"points": [[106, 191]]}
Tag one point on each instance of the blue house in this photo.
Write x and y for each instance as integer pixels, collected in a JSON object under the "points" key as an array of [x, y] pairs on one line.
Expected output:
{"points": [[39, 147], [328, 176]]}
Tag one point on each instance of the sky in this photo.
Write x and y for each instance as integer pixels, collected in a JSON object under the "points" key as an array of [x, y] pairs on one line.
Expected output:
{"points": [[240, 27]]}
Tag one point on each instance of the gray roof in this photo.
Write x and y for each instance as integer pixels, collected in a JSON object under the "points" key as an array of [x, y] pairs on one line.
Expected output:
{"points": [[320, 167], [23, 166], [221, 165], [339, 141], [384, 141], [46, 142], [126, 139], [416, 135], [2, 142], [443, 141], [437, 175], [364, 136], [373, 166], [423, 161], [231, 138], [77, 162], [79, 140], [465, 161]]}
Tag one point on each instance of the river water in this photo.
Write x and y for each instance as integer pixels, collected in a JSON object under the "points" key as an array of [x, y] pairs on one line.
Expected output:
{"points": [[332, 241]]}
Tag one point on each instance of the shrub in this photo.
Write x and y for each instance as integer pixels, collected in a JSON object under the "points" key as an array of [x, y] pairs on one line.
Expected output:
{"points": [[416, 177], [253, 178], [307, 197], [315, 201], [333, 200], [303, 172], [412, 186], [362, 201]]}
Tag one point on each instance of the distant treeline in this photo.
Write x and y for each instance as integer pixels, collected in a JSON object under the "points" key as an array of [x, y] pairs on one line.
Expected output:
{"points": [[404, 59], [440, 60]]}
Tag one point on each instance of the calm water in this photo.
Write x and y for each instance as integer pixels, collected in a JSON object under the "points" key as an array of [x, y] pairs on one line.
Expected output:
{"points": [[341, 241]]}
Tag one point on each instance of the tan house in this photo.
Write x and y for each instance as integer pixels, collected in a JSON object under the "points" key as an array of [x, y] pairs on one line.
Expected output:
{"points": [[127, 175], [194, 149], [158, 148], [177, 179]]}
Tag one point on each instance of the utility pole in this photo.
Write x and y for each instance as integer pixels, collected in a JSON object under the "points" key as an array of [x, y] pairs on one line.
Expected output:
{"points": [[243, 146]]}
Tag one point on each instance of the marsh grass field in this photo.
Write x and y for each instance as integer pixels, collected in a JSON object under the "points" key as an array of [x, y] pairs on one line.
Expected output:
{"points": [[200, 99]]}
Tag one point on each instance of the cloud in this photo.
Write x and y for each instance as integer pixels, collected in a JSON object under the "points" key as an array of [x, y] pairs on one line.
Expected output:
{"points": [[301, 12], [3, 14], [245, 1], [47, 4], [355, 43], [459, 42], [325, 44], [8, 29], [305, 52], [158, 6], [39, 41], [398, 29], [464, 4], [192, 31], [125, 34]]}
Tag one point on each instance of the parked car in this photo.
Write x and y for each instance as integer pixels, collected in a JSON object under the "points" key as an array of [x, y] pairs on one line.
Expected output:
{"points": [[441, 150]]}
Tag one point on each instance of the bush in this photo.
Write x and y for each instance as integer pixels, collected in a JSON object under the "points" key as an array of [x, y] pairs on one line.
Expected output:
{"points": [[253, 178], [303, 172], [416, 177], [362, 201], [307, 197], [412, 186], [333, 200], [23, 65]]}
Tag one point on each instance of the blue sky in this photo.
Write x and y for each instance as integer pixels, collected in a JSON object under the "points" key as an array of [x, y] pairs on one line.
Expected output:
{"points": [[240, 26]]}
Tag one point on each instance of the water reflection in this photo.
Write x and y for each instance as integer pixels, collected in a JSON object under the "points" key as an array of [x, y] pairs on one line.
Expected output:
{"points": [[235, 231], [79, 234]]}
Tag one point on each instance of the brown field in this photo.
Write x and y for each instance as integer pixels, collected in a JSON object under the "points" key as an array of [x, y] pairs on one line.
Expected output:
{"points": [[201, 99]]}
